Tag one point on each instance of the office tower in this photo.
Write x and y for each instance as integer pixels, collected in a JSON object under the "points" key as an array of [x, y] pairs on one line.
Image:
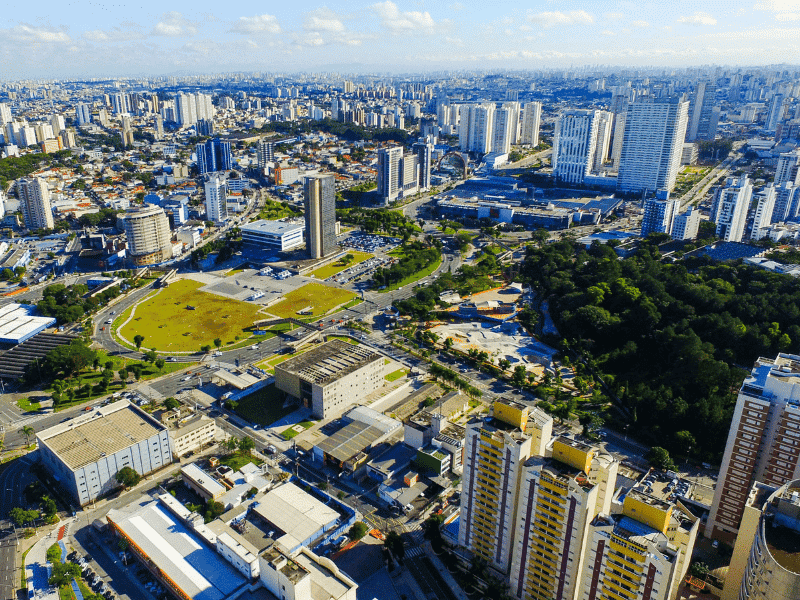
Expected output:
{"points": [[119, 104], [82, 114], [148, 235], [531, 119], [686, 224], [765, 206], [558, 498], [158, 126], [788, 168], [652, 144], [5, 113], [659, 213], [424, 153], [603, 144], [185, 110], [763, 443], [57, 123], [775, 112], [216, 199], [702, 123], [765, 564], [574, 145], [265, 153], [729, 208], [408, 176], [618, 110], [787, 200], [34, 201], [495, 451], [213, 155], [389, 182], [320, 207], [641, 552]]}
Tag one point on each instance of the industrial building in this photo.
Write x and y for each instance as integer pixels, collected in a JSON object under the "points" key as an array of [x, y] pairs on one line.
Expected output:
{"points": [[332, 377], [272, 235], [348, 448], [18, 323], [85, 453]]}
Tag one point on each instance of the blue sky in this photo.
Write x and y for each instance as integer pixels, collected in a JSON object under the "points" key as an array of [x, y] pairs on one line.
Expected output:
{"points": [[81, 38]]}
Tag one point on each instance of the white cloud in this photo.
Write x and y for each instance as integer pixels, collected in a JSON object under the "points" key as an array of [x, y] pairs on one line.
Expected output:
{"points": [[252, 44], [96, 35], [607, 32], [256, 24], [174, 24], [787, 17], [525, 28], [640, 24], [698, 18], [551, 19], [396, 20], [454, 41], [613, 16], [777, 5], [32, 35], [323, 19]]}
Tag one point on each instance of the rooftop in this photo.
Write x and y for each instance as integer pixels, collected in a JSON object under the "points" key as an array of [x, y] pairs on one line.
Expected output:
{"points": [[350, 440], [329, 362], [782, 526], [102, 431], [270, 227]]}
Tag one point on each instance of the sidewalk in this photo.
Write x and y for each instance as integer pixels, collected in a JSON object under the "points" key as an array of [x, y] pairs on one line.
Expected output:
{"points": [[35, 566]]}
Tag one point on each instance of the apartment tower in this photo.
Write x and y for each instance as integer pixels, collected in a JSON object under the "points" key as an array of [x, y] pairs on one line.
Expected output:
{"points": [[34, 201]]}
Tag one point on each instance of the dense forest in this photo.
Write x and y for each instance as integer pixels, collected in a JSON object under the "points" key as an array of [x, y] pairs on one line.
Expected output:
{"points": [[672, 341]]}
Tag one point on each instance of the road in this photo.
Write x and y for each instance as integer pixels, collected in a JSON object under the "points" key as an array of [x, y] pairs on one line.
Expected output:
{"points": [[12, 483], [700, 189]]}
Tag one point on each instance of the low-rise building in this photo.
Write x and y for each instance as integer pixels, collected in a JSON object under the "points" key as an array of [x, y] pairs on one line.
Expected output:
{"points": [[272, 235], [202, 483]]}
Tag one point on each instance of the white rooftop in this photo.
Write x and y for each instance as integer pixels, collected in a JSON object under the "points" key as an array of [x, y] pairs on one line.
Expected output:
{"points": [[271, 227], [203, 480], [17, 322]]}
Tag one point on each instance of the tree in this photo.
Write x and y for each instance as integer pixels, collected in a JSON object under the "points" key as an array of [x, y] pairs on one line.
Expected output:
{"points": [[49, 507], [27, 431], [160, 362], [63, 573], [150, 356], [699, 570], [520, 375], [684, 442], [432, 528], [246, 444], [22, 517], [395, 545], [217, 342], [213, 510], [205, 349], [123, 373], [660, 459], [127, 477], [53, 554], [138, 339], [230, 444], [357, 531], [448, 343], [171, 403], [504, 363]]}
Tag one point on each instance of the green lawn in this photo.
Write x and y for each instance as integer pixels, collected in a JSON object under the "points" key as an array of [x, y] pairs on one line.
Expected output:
{"points": [[339, 266], [237, 460], [290, 432], [395, 375], [319, 298], [169, 326], [264, 406], [413, 277], [233, 272], [28, 406], [344, 338]]}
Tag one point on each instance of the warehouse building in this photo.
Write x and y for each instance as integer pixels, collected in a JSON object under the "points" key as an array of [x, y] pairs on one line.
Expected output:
{"points": [[18, 323], [85, 453], [272, 235], [331, 377]]}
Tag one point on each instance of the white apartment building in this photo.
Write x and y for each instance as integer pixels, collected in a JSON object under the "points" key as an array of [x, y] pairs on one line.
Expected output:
{"points": [[787, 200], [659, 214], [531, 120], [34, 201], [574, 145], [148, 234], [686, 225], [503, 129], [192, 433], [787, 168], [652, 146], [216, 199], [475, 132], [765, 206], [775, 112], [729, 209], [389, 182]]}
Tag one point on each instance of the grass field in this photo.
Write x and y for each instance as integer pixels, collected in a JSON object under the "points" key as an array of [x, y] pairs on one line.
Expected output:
{"points": [[291, 431], [344, 338], [395, 375], [320, 298], [413, 277], [237, 460], [339, 266], [265, 406], [169, 326]]}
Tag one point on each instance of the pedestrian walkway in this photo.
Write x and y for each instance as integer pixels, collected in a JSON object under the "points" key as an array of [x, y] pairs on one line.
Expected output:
{"points": [[37, 569]]}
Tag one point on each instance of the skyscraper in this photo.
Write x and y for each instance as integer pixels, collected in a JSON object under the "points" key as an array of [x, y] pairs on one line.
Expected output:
{"points": [[702, 117], [119, 104], [603, 143], [659, 214], [265, 153], [574, 145], [424, 152], [618, 110], [389, 182], [82, 114], [788, 168], [34, 201], [531, 119], [775, 112], [652, 144], [476, 128], [213, 155], [763, 443], [185, 110], [729, 208], [5, 113], [686, 224], [320, 206], [216, 199], [503, 129], [765, 206], [787, 201]]}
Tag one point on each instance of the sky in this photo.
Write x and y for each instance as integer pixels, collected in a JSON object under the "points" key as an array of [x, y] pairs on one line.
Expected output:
{"points": [[81, 38]]}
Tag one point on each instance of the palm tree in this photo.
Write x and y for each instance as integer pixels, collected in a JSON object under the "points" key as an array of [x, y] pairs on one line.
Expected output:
{"points": [[27, 431]]}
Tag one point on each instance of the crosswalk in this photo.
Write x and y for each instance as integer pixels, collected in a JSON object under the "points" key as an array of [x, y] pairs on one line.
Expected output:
{"points": [[414, 551]]}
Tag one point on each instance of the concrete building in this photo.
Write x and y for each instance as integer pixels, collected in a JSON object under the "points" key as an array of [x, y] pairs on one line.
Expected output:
{"points": [[332, 377], [202, 483], [788, 168], [19, 322], [574, 145], [775, 112], [659, 214], [765, 564], [85, 453], [703, 115], [389, 179], [34, 201], [686, 224], [531, 120], [216, 199], [762, 444], [320, 208], [729, 208], [690, 154], [304, 576], [214, 155], [191, 433], [148, 234], [272, 235], [424, 154], [765, 206], [476, 127], [505, 128], [652, 144], [603, 140], [495, 452], [787, 202]]}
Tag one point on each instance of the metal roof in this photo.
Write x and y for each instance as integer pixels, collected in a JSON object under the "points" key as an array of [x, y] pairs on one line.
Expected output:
{"points": [[350, 440]]}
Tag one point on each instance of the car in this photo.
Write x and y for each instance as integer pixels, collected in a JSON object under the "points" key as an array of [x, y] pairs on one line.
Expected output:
{"points": [[187, 378], [715, 544], [109, 321]]}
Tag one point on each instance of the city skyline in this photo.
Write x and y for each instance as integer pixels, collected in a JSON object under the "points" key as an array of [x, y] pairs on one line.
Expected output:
{"points": [[92, 39]]}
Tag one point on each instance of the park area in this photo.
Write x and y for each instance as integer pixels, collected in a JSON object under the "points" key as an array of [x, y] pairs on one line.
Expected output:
{"points": [[316, 298], [182, 319], [340, 265]]}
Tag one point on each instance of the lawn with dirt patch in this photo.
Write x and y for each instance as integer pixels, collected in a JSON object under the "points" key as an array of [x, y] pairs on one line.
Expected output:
{"points": [[182, 319], [296, 429], [340, 265], [318, 298]]}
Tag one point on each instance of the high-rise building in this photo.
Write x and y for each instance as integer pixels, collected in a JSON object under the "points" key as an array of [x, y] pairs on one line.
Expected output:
{"points": [[82, 114], [765, 206], [531, 119], [5, 113], [389, 181], [703, 118], [424, 153], [787, 202], [559, 496], [729, 208], [495, 452], [320, 208], [686, 225], [265, 153], [652, 145], [119, 104], [775, 112], [618, 110], [788, 168], [763, 443], [659, 214], [503, 128], [574, 145], [148, 234], [57, 123], [214, 155], [765, 564], [216, 199], [158, 126], [34, 201], [476, 127], [205, 127], [185, 110], [603, 144]]}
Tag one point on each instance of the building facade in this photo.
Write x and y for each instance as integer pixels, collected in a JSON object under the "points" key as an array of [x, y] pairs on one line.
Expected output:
{"points": [[216, 199], [320, 208], [574, 145], [765, 206], [686, 225], [659, 214], [272, 235], [148, 234], [34, 201], [729, 208], [531, 120], [214, 155]]}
